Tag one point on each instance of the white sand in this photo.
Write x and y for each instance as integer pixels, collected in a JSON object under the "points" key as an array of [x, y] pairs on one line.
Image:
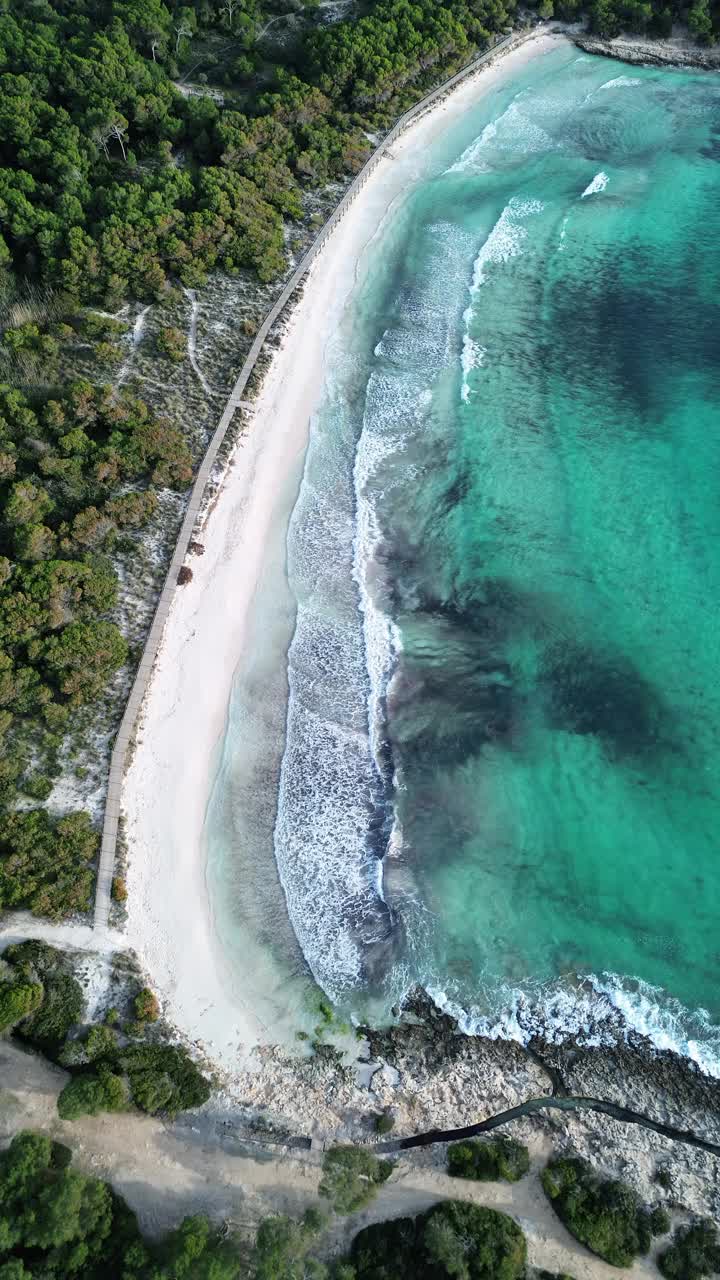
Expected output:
{"points": [[168, 783]]}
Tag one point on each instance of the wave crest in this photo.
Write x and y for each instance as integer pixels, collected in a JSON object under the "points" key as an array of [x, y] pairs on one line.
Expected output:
{"points": [[596, 1011]]}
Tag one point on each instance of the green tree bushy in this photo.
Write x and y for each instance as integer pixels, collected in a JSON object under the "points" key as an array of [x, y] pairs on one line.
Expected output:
{"points": [[59, 1224], [88, 1095], [156, 1078], [42, 1003], [61, 1004], [115, 185], [604, 1214], [693, 1254], [451, 1239], [351, 1177], [499, 1159], [18, 999], [62, 458], [282, 1247]]}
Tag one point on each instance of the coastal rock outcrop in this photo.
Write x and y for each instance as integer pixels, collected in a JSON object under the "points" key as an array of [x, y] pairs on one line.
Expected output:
{"points": [[657, 53]]}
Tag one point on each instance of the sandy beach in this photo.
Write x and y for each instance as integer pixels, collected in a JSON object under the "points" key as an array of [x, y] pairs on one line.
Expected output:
{"points": [[212, 625]]}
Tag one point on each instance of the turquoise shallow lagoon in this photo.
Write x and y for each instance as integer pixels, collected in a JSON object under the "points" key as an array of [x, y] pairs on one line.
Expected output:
{"points": [[501, 769]]}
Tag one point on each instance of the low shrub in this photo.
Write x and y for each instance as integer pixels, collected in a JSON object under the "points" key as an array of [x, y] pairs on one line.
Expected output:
{"points": [[146, 1006], [604, 1215], [172, 342], [693, 1254], [496, 1160], [660, 1222], [119, 889], [163, 1078], [384, 1122], [101, 1042], [351, 1177], [73, 1054]]}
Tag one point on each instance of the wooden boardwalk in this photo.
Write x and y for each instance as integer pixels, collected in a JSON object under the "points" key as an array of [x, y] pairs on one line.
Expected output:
{"points": [[106, 867]]}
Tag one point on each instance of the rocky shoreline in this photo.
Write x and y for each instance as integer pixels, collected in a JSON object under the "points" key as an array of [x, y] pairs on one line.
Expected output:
{"points": [[428, 1075], [431, 1078], [430, 1051], [674, 52], [630, 1073]]}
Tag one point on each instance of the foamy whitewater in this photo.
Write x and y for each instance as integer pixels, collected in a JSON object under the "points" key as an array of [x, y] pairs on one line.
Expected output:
{"points": [[503, 723], [598, 184]]}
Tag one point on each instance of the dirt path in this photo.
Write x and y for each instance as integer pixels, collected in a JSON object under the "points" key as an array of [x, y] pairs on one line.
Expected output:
{"points": [[166, 1171]]}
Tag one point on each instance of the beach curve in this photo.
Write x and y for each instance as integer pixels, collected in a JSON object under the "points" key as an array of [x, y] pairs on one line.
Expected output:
{"points": [[170, 921]]}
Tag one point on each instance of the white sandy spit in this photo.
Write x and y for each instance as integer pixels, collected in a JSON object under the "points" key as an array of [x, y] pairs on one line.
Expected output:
{"points": [[167, 785]]}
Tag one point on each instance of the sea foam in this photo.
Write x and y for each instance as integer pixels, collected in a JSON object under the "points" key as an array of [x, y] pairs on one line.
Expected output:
{"points": [[597, 185], [621, 82], [515, 132], [333, 813], [504, 242], [596, 1011]]}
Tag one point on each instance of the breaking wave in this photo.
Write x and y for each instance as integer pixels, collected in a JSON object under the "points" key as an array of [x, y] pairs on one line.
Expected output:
{"points": [[621, 82], [335, 820], [516, 132], [595, 1011], [480, 623], [504, 242], [597, 185]]}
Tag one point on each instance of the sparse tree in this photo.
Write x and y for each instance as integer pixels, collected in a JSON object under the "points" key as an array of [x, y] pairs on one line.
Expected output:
{"points": [[112, 130], [228, 9]]}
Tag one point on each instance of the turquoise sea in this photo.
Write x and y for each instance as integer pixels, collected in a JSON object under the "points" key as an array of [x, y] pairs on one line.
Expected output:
{"points": [[500, 776]]}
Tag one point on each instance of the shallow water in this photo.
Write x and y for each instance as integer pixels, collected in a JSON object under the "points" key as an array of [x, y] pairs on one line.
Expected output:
{"points": [[500, 767]]}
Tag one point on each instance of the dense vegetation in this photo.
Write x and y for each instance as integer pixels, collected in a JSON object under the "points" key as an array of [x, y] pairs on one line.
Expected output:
{"points": [[112, 1069], [113, 185], [57, 1224], [500, 1159], [693, 1254], [77, 468], [92, 199], [282, 1248], [451, 1239], [605, 1215]]}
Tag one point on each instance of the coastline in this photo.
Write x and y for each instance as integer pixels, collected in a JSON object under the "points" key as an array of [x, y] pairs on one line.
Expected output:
{"points": [[167, 785], [677, 51], [241, 1156]]}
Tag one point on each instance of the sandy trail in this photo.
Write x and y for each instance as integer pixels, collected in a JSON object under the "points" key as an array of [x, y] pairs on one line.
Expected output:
{"points": [[169, 1170]]}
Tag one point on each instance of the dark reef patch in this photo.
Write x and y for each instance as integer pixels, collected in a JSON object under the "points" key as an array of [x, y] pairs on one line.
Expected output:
{"points": [[630, 331], [453, 688], [591, 694]]}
